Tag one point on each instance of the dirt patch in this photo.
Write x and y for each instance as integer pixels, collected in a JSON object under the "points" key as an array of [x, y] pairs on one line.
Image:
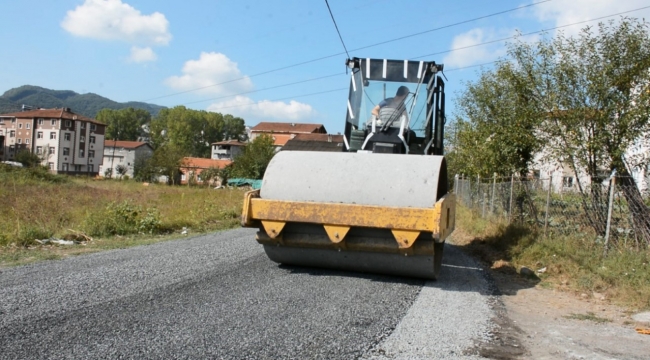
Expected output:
{"points": [[537, 320], [532, 322]]}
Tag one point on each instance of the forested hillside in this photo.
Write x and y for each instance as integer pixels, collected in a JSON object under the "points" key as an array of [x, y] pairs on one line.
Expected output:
{"points": [[85, 104]]}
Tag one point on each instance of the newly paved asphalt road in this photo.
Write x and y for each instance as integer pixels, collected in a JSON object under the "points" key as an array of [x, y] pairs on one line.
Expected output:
{"points": [[218, 296]]}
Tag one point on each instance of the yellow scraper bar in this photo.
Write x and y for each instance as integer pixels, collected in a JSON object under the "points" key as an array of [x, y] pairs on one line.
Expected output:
{"points": [[405, 223]]}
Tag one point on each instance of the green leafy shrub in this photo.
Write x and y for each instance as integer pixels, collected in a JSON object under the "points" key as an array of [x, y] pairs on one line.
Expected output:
{"points": [[28, 234], [150, 223]]}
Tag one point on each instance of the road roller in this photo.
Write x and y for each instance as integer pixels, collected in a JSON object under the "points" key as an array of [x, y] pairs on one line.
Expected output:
{"points": [[381, 204]]}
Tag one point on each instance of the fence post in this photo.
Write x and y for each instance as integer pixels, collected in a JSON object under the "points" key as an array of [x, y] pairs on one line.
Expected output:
{"points": [[612, 185], [456, 184], [548, 200], [512, 185], [494, 186], [484, 201], [478, 188]]}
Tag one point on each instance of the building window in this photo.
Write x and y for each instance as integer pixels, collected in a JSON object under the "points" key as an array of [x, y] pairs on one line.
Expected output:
{"points": [[93, 127], [82, 138], [40, 121], [91, 153], [20, 126], [66, 136], [26, 141], [50, 165], [53, 122], [81, 153], [77, 168], [567, 181], [11, 148], [39, 135], [65, 167], [91, 167], [52, 150], [66, 151], [83, 125], [28, 126], [183, 177], [12, 133], [68, 123], [92, 139], [13, 121], [39, 150], [52, 135], [19, 141]]}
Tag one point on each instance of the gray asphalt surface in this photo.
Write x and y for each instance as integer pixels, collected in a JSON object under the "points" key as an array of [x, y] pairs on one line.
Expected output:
{"points": [[218, 296]]}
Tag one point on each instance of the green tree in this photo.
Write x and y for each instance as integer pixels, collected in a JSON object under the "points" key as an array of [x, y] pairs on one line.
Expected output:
{"points": [[28, 158], [589, 98], [494, 131], [124, 124], [254, 159], [193, 131], [167, 160]]}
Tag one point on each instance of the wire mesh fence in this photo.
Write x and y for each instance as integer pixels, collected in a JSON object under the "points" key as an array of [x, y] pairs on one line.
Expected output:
{"points": [[613, 211]]}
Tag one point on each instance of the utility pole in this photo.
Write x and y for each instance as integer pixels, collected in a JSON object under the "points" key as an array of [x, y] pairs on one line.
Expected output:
{"points": [[114, 146]]}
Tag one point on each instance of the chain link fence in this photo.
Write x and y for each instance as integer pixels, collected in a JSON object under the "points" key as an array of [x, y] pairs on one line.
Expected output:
{"points": [[613, 216]]}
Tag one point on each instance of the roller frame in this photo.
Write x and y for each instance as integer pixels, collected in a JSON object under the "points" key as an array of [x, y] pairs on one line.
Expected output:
{"points": [[406, 224]]}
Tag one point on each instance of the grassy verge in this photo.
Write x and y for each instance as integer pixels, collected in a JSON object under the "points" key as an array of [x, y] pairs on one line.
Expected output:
{"points": [[573, 263], [113, 213]]}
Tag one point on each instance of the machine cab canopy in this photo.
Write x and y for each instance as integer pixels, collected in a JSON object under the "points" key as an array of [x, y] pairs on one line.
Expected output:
{"points": [[377, 81]]}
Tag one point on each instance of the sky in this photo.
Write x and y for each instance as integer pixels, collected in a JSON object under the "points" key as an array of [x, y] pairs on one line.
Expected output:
{"points": [[265, 60]]}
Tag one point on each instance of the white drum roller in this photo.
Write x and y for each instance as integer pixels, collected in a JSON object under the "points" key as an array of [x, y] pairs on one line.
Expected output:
{"points": [[379, 213], [354, 178]]}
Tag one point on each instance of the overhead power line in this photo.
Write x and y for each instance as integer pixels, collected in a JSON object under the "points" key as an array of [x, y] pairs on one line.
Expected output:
{"points": [[438, 53], [337, 28], [280, 99], [264, 89], [531, 33], [341, 53]]}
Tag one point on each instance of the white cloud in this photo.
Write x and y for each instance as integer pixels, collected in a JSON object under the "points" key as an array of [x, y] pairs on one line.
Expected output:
{"points": [[464, 56], [569, 12], [264, 110], [211, 74], [115, 20], [140, 55]]}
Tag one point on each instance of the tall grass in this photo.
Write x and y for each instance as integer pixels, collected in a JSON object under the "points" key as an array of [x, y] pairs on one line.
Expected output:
{"points": [[575, 262], [37, 206]]}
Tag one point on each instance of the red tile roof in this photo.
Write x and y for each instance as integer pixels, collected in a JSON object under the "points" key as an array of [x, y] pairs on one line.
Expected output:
{"points": [[201, 163], [230, 142], [124, 144], [284, 127], [320, 137], [52, 114]]}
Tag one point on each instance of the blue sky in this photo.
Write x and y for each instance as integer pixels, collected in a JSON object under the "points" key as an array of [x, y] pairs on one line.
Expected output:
{"points": [[174, 52]]}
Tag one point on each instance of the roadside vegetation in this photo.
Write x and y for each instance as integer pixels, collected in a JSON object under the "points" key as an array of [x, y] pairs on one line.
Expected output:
{"points": [[581, 104], [38, 205], [569, 262]]}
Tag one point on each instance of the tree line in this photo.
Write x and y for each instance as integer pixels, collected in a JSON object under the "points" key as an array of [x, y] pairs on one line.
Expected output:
{"points": [[181, 132], [580, 101]]}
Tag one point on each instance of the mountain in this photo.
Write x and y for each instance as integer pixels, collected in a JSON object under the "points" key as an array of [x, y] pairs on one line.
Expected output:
{"points": [[83, 104]]}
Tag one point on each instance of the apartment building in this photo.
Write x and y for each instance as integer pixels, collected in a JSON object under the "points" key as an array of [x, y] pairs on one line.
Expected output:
{"points": [[66, 142]]}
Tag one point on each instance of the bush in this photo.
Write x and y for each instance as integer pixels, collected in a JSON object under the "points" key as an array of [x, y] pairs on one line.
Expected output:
{"points": [[27, 235], [123, 219], [29, 175]]}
